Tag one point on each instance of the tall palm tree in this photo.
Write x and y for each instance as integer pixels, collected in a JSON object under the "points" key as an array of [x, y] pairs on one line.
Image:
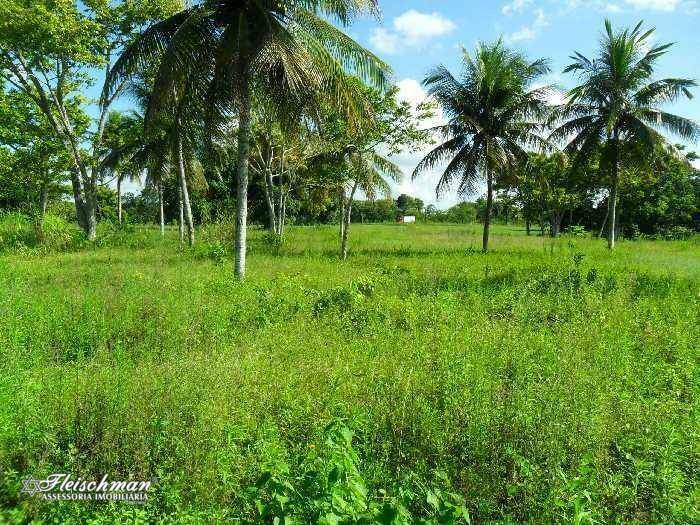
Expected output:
{"points": [[285, 50], [494, 113], [617, 104]]}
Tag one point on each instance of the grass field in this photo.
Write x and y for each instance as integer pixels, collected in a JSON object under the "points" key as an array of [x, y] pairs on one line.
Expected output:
{"points": [[546, 381]]}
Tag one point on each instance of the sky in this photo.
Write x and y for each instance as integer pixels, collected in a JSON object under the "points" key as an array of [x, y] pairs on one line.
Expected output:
{"points": [[415, 35]]}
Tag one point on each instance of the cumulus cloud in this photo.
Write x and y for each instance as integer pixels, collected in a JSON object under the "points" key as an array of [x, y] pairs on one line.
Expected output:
{"points": [[531, 31], [411, 29], [515, 6], [422, 187]]}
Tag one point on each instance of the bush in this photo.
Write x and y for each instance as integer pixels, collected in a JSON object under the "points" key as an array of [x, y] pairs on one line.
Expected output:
{"points": [[675, 233], [575, 231], [125, 235], [15, 231], [273, 242], [19, 232], [57, 234], [213, 250]]}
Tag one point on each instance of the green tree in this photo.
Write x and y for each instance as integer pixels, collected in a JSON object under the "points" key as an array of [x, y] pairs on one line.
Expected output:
{"points": [[121, 131], [493, 114], [547, 186], [359, 155], [50, 51], [35, 163], [617, 105], [662, 196], [285, 52], [407, 205]]}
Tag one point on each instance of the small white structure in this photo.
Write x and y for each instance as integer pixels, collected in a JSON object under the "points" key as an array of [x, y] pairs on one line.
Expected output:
{"points": [[407, 219]]}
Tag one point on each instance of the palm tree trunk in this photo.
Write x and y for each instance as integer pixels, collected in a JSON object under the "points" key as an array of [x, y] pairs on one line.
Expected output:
{"points": [[242, 189], [185, 194], [345, 218], [612, 223], [556, 218], [489, 206], [283, 213], [181, 222], [280, 188], [39, 221], [43, 201], [613, 195], [341, 213], [162, 211], [91, 214], [119, 199], [605, 219], [269, 199]]}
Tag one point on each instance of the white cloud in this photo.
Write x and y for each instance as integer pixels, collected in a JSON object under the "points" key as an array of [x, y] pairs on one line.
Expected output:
{"points": [[417, 26], [411, 29], [612, 8], [515, 6], [531, 31], [657, 5], [669, 6], [424, 185], [385, 41]]}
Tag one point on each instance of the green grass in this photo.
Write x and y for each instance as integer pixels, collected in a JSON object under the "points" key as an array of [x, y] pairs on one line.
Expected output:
{"points": [[546, 381]]}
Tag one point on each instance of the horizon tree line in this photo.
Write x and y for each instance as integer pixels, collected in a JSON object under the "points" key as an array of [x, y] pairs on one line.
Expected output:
{"points": [[283, 93]]}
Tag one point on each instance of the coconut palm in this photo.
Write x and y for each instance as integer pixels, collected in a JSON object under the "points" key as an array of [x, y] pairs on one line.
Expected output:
{"points": [[368, 171], [120, 134], [493, 113], [616, 106], [283, 50]]}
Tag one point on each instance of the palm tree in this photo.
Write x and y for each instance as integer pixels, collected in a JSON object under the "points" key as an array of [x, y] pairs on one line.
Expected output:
{"points": [[283, 50], [365, 170], [493, 114], [121, 132], [617, 105]]}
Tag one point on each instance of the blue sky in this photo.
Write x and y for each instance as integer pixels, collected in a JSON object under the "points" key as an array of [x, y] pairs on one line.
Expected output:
{"points": [[414, 35]]}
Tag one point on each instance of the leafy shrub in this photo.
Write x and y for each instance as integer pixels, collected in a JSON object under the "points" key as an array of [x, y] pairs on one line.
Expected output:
{"points": [[575, 231], [19, 232], [328, 488], [57, 234], [16, 231], [272, 242], [214, 250], [124, 235], [675, 233]]}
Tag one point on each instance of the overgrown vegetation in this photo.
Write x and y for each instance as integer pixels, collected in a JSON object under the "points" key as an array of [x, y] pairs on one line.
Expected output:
{"points": [[546, 381]]}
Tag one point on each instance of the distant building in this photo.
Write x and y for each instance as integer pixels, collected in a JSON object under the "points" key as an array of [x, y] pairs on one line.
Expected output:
{"points": [[407, 219]]}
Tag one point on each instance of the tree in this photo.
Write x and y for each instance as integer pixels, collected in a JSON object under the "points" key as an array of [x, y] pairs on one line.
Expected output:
{"points": [[285, 52], [660, 196], [547, 186], [122, 132], [408, 205], [50, 52], [617, 105], [493, 114], [279, 155], [35, 163], [358, 156]]}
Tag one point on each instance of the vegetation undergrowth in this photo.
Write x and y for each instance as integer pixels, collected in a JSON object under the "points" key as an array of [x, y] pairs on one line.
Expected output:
{"points": [[419, 381]]}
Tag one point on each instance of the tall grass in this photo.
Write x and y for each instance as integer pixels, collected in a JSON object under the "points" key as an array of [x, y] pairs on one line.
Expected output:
{"points": [[547, 381]]}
